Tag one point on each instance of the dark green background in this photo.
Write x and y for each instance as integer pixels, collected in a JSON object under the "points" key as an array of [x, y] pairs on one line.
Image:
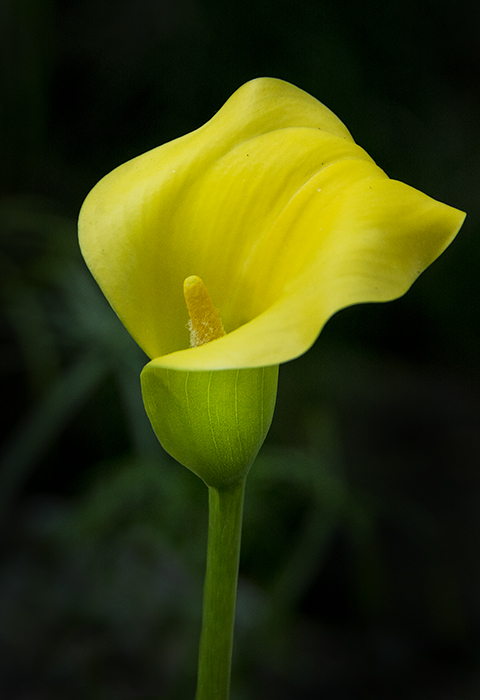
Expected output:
{"points": [[360, 572]]}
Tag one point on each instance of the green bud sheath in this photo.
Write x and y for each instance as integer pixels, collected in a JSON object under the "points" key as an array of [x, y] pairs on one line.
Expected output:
{"points": [[212, 422]]}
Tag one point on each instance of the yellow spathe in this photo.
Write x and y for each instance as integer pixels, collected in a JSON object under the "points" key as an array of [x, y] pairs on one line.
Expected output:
{"points": [[280, 213]]}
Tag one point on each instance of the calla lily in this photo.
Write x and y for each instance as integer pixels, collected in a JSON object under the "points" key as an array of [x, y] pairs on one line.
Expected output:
{"points": [[278, 210], [286, 220]]}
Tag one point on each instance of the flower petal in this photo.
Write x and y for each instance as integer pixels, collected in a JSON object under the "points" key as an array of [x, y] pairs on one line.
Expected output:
{"points": [[281, 214]]}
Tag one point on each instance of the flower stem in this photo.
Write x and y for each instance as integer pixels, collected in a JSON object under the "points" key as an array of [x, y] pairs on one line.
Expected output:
{"points": [[220, 591]]}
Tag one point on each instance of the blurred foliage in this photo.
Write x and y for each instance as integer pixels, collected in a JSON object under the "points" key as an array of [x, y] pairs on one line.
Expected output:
{"points": [[360, 572]]}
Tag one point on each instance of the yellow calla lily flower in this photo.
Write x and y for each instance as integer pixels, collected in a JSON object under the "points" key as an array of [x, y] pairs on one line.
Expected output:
{"points": [[271, 214], [224, 253], [281, 214]]}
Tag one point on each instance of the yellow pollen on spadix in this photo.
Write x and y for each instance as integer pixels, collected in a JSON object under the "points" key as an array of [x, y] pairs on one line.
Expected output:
{"points": [[205, 324]]}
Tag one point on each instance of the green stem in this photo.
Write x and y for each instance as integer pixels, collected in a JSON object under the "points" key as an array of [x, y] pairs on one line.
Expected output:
{"points": [[220, 592]]}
